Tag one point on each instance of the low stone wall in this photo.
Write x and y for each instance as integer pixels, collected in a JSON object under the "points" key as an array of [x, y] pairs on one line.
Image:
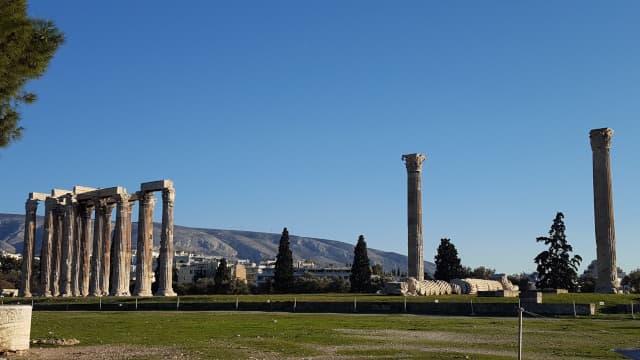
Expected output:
{"points": [[364, 307], [15, 327]]}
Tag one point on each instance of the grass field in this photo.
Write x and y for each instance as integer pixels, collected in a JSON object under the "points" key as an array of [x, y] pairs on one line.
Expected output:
{"points": [[246, 335], [609, 300]]}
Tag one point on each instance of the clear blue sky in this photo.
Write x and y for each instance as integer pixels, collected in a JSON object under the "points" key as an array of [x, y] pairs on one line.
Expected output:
{"points": [[273, 114]]}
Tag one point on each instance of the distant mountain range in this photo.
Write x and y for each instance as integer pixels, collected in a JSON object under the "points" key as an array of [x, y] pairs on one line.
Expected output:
{"points": [[231, 244]]}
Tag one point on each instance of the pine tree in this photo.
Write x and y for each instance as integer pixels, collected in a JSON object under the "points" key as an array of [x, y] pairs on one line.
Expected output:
{"points": [[556, 269], [26, 47], [283, 274], [448, 265], [360, 269], [222, 278]]}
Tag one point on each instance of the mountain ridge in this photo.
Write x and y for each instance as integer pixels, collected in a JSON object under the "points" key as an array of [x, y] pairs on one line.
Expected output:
{"points": [[231, 244]]}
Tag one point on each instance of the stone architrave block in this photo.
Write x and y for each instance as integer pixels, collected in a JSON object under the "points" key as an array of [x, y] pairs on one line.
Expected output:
{"points": [[156, 185], [59, 192], [38, 196]]}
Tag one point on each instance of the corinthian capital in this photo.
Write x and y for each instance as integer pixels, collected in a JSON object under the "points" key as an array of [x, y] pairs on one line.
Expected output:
{"points": [[600, 138], [31, 206], [413, 162]]}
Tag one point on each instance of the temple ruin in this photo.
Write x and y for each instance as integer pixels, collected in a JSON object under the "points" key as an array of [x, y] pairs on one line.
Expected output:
{"points": [[80, 257]]}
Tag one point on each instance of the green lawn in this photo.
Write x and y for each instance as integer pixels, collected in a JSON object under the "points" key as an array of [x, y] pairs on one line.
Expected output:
{"points": [[242, 335]]}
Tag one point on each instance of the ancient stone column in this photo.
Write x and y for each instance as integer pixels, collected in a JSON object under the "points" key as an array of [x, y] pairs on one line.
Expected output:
{"points": [[413, 162], [67, 246], [121, 254], [31, 207], [46, 248], [85, 248], [607, 281], [165, 259], [56, 253], [144, 271], [77, 253], [96, 257], [105, 264]]}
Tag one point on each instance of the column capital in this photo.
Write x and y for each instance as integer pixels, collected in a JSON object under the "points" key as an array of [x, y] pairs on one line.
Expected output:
{"points": [[168, 195], [601, 138], [146, 198], [413, 162], [31, 206]]}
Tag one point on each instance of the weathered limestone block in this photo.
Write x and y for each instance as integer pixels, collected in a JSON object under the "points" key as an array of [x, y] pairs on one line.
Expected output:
{"points": [[472, 286], [428, 287], [15, 327], [396, 288]]}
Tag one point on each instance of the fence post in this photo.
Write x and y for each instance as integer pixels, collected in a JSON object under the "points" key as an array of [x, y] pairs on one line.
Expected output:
{"points": [[295, 303], [520, 311], [355, 304], [178, 303], [236, 303], [405, 304]]}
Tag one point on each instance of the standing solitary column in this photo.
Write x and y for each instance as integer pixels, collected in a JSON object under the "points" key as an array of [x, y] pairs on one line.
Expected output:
{"points": [[67, 246], [144, 245], [96, 257], [413, 162], [121, 255], [105, 264], [45, 250], [85, 248], [607, 281], [165, 259], [31, 207]]}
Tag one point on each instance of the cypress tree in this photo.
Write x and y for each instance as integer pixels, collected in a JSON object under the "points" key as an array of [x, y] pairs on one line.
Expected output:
{"points": [[555, 268], [448, 264], [283, 274], [222, 278], [360, 268]]}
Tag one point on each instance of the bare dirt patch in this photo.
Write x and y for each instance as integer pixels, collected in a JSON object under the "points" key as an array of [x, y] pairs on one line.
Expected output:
{"points": [[102, 352], [412, 336]]}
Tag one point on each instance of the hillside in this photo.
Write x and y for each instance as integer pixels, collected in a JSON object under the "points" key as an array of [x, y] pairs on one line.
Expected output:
{"points": [[232, 244]]}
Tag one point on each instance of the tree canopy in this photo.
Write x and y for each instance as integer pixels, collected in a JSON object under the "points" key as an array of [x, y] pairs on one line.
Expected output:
{"points": [[27, 46], [283, 275], [556, 269], [448, 264], [360, 268], [222, 278]]}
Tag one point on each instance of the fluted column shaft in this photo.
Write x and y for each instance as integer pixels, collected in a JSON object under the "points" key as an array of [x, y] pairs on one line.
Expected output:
{"points": [[607, 281], [413, 163], [77, 253], [165, 258], [67, 246], [96, 257], [58, 232], [105, 264], [144, 258], [46, 248], [121, 255], [85, 249], [31, 207]]}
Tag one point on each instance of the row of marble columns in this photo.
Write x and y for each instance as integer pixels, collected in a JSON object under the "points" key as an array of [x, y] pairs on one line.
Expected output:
{"points": [[79, 256]]}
